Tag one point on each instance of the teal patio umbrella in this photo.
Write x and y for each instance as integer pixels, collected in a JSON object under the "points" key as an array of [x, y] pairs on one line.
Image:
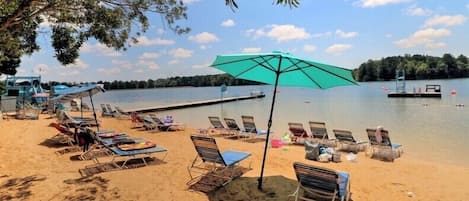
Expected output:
{"points": [[282, 69]]}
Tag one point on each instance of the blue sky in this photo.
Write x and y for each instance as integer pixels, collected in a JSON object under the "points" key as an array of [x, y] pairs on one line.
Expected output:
{"points": [[345, 33]]}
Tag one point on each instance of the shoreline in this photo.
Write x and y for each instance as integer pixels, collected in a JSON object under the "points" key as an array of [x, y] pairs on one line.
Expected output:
{"points": [[31, 171]]}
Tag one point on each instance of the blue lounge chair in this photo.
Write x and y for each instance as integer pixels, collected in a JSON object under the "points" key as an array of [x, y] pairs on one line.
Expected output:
{"points": [[134, 154], [385, 149], [209, 159], [317, 183]]}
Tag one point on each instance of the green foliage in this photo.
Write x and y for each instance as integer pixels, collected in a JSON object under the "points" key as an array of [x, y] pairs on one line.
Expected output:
{"points": [[292, 3], [73, 22], [191, 81], [416, 67]]}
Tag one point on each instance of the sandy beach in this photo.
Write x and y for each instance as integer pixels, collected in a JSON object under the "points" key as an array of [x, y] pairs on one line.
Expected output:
{"points": [[31, 170]]}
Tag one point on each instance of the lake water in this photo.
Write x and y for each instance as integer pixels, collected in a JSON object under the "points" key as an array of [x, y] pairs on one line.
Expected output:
{"points": [[429, 128]]}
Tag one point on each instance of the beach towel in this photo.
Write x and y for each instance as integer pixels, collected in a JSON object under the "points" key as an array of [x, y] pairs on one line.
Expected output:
{"points": [[136, 146]]}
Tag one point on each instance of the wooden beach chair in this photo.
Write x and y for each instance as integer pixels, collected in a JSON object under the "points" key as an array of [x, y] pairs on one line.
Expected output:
{"points": [[347, 142], [297, 133], [384, 150], [319, 134], [317, 183], [210, 160]]}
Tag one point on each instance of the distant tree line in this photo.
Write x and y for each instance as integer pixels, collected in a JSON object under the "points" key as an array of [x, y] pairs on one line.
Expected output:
{"points": [[189, 81], [416, 67]]}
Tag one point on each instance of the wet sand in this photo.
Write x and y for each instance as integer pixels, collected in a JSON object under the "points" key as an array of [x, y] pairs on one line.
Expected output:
{"points": [[31, 170]]}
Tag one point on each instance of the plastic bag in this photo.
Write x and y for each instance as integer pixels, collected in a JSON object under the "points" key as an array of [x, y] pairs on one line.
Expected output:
{"points": [[351, 157]]}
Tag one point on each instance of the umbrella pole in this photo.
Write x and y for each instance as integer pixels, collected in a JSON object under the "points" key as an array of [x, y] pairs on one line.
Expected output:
{"points": [[94, 113], [81, 106], [269, 124]]}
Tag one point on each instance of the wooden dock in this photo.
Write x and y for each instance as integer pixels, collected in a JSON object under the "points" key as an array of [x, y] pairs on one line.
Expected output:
{"points": [[415, 95], [194, 103]]}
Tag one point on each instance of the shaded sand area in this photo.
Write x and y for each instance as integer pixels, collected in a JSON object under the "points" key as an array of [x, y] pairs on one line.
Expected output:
{"points": [[31, 170]]}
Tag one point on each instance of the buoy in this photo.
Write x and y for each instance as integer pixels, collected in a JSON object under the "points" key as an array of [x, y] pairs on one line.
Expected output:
{"points": [[453, 92]]}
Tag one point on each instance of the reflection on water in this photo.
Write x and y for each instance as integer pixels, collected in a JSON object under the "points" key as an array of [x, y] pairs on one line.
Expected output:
{"points": [[431, 129]]}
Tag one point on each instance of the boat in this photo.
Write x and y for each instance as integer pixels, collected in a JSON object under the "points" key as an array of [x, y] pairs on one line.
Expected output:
{"points": [[431, 90]]}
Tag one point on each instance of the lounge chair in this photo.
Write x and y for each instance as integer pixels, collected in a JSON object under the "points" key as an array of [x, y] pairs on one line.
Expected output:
{"points": [[66, 119], [105, 112], [139, 150], [65, 135], [209, 159], [250, 127], [235, 129], [136, 119], [298, 133], [347, 142], [217, 127], [385, 149], [319, 134], [317, 183], [121, 114], [151, 122]]}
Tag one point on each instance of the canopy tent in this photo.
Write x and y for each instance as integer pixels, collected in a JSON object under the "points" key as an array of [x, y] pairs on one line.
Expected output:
{"points": [[78, 92]]}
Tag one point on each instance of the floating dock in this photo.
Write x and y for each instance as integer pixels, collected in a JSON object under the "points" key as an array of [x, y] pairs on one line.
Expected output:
{"points": [[195, 103], [431, 91], [414, 95]]}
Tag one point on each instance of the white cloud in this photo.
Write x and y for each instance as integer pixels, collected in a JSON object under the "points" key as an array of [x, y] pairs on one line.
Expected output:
{"points": [[149, 55], [204, 37], [181, 53], [467, 6], [279, 33], [109, 71], [138, 71], [41, 69], [174, 61], [148, 64], [122, 64], [204, 65], [68, 73], [341, 34], [376, 3], [228, 23], [78, 64], [287, 32], [445, 20], [160, 31], [338, 48], [425, 37], [100, 49], [388, 35], [416, 11], [203, 47], [309, 48], [251, 50], [318, 35], [144, 41], [190, 1]]}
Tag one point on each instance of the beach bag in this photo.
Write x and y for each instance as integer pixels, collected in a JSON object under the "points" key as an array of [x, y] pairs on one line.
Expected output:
{"points": [[312, 150]]}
